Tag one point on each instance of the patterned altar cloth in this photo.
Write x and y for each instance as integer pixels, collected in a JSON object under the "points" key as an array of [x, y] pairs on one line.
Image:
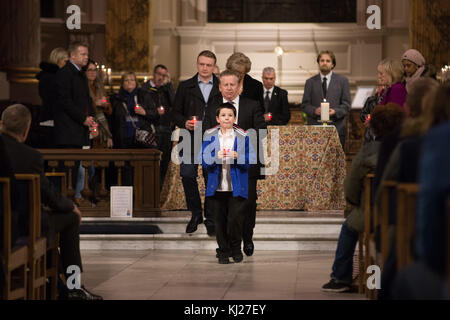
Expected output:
{"points": [[310, 175]]}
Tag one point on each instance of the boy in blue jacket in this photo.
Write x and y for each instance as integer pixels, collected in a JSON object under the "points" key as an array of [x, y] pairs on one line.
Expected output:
{"points": [[226, 155]]}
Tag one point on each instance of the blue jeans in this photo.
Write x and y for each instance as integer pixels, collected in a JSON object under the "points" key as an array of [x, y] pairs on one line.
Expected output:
{"points": [[343, 260]]}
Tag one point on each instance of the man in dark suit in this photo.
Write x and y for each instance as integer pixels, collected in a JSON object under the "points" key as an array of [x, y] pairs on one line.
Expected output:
{"points": [[332, 87], [249, 116], [74, 112], [251, 88], [276, 105], [163, 95], [65, 217], [193, 98]]}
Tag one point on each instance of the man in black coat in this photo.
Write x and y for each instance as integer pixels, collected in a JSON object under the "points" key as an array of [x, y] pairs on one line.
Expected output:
{"points": [[193, 98], [276, 105], [249, 116], [74, 112], [65, 217]]}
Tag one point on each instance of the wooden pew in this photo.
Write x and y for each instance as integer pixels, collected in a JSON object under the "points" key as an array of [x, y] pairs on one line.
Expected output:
{"points": [[28, 186], [58, 180], [406, 214], [16, 259], [388, 190], [369, 233], [448, 247]]}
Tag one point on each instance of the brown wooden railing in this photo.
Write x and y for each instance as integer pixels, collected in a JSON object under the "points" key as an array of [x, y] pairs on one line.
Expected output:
{"points": [[145, 170]]}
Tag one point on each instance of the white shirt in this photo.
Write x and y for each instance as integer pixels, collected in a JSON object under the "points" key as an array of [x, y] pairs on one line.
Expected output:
{"points": [[236, 105], [270, 92], [328, 76], [226, 141]]}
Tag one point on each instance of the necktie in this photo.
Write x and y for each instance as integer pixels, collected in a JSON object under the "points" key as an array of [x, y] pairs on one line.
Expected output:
{"points": [[324, 87], [267, 101]]}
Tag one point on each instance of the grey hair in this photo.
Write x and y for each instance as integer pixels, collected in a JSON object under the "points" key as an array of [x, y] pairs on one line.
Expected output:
{"points": [[268, 70]]}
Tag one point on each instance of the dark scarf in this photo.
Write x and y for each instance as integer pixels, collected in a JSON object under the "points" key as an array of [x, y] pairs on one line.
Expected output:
{"points": [[128, 98]]}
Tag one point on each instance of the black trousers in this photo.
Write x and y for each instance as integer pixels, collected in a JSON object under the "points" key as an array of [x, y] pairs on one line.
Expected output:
{"points": [[165, 146], [189, 175], [250, 215], [68, 226], [229, 214]]}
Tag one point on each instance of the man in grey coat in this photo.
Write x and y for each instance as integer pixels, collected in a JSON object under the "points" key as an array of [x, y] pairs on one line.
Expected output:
{"points": [[332, 87]]}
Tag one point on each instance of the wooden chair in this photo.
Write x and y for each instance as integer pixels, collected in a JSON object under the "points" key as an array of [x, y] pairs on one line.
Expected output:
{"points": [[406, 214], [28, 186], [15, 258], [58, 180]]}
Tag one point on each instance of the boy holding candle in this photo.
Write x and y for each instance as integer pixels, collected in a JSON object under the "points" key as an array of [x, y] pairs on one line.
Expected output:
{"points": [[226, 156]]}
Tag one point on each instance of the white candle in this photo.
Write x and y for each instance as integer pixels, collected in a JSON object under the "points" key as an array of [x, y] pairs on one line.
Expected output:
{"points": [[109, 75], [145, 79], [325, 111]]}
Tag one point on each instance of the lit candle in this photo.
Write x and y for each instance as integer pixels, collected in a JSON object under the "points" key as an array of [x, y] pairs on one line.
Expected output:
{"points": [[161, 108], [325, 111], [194, 118], [109, 75], [269, 115], [145, 79], [137, 106]]}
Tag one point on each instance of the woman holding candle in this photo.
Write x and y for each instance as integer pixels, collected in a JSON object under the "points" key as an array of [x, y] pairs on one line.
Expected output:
{"points": [[131, 107], [101, 106]]}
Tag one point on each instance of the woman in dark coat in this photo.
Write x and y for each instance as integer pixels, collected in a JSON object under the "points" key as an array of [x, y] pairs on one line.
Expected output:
{"points": [[131, 105], [47, 81]]}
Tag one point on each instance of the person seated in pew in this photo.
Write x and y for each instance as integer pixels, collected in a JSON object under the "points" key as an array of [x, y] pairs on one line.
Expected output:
{"points": [[65, 217], [276, 105], [426, 278], [384, 119], [403, 165]]}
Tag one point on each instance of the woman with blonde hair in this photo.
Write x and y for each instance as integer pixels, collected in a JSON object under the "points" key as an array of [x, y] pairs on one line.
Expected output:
{"points": [[390, 76], [47, 84]]}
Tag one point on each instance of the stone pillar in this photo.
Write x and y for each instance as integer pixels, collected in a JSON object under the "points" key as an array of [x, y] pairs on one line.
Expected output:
{"points": [[129, 35], [429, 30], [20, 45]]}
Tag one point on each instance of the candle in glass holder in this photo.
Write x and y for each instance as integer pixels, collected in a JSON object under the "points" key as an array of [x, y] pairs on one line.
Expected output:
{"points": [[195, 119], [269, 115], [161, 109], [137, 106], [325, 111]]}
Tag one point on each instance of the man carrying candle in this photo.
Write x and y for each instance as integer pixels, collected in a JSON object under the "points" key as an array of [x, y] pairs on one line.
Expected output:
{"points": [[249, 115], [162, 92], [333, 88], [276, 105], [193, 98]]}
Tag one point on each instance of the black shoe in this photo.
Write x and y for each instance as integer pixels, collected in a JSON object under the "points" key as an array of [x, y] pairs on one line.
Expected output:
{"points": [[82, 294], [249, 247], [217, 253], [192, 225], [333, 286], [238, 257], [211, 231], [224, 260]]}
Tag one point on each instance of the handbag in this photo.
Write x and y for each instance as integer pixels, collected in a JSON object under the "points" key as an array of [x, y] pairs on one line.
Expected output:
{"points": [[143, 137]]}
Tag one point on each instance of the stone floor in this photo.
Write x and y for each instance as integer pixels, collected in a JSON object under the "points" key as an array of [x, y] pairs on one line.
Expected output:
{"points": [[196, 275]]}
